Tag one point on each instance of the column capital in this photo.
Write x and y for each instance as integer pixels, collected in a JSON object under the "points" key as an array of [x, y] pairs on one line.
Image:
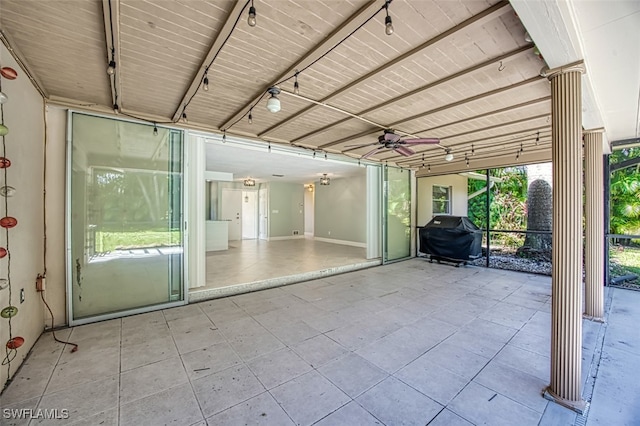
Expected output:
{"points": [[564, 69], [593, 131]]}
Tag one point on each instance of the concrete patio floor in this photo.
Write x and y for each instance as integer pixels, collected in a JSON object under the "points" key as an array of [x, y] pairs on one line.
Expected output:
{"points": [[408, 343]]}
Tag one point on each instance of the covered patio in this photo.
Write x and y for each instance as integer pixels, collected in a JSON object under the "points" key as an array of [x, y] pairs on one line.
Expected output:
{"points": [[404, 343]]}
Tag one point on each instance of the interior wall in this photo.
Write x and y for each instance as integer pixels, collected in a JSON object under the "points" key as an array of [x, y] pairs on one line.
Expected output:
{"points": [[459, 191], [341, 210], [286, 210], [24, 117]]}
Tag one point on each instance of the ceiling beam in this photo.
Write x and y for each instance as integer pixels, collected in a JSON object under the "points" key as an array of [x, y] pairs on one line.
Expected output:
{"points": [[542, 144], [320, 49], [444, 168], [519, 135], [486, 114], [111, 18], [436, 110], [509, 55], [484, 129], [220, 39], [476, 20]]}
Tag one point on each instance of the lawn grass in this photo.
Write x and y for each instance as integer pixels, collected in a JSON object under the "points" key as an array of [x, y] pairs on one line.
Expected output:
{"points": [[625, 260], [110, 241]]}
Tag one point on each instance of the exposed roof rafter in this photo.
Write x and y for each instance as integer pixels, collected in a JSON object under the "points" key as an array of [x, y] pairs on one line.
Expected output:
{"points": [[479, 19]]}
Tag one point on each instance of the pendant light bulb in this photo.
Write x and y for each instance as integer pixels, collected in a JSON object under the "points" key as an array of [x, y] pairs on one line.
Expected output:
{"points": [[388, 25], [184, 118], [449, 155], [251, 20], [250, 117], [205, 84], [155, 130], [111, 69], [116, 109], [296, 88]]}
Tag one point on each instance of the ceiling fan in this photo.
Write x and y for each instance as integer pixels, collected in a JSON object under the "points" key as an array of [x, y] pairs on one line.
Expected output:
{"points": [[391, 140]]}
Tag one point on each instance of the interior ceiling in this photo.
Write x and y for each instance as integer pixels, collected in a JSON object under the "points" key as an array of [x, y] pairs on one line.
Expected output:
{"points": [[275, 165], [460, 71]]}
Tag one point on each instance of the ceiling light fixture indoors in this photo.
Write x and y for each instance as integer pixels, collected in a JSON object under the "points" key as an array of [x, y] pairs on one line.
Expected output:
{"points": [[273, 103], [324, 180], [251, 19], [249, 182]]}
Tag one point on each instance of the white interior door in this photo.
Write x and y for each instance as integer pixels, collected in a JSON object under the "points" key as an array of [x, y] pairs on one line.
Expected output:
{"points": [[263, 220], [231, 211], [249, 215]]}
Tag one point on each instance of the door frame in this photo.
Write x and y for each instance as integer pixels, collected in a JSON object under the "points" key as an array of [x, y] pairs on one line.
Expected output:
{"points": [[68, 241]]}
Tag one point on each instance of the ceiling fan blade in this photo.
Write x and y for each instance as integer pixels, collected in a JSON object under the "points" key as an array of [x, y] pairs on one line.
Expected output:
{"points": [[391, 137], [370, 153], [420, 141], [360, 145], [403, 150]]}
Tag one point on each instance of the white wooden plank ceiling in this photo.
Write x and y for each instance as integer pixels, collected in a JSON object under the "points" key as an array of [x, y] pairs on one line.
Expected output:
{"points": [[460, 71]]}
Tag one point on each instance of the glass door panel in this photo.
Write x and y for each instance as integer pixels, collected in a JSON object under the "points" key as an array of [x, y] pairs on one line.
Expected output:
{"points": [[125, 201], [397, 213]]}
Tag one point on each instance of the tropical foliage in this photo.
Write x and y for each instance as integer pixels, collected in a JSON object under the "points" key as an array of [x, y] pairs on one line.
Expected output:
{"points": [[508, 209], [625, 194]]}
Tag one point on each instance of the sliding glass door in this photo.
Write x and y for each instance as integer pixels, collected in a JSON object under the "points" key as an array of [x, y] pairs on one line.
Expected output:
{"points": [[397, 214], [125, 209]]}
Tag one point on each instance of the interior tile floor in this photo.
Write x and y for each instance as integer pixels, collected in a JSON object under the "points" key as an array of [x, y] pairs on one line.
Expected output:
{"points": [[254, 260], [410, 343]]}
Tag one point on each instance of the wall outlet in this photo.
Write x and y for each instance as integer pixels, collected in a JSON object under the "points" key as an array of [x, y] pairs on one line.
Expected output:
{"points": [[296, 232]]}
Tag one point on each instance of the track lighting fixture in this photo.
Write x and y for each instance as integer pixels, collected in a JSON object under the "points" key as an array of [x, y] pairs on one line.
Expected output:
{"points": [[296, 86], [273, 103], [388, 25], [251, 19], [111, 69], [205, 83], [324, 180], [448, 156], [250, 118], [155, 130], [183, 119], [116, 108]]}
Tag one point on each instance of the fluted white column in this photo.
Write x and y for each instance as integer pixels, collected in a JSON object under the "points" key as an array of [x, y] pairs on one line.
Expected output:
{"points": [[594, 220], [566, 276]]}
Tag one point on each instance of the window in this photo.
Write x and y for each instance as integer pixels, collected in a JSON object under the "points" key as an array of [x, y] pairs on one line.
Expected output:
{"points": [[441, 199]]}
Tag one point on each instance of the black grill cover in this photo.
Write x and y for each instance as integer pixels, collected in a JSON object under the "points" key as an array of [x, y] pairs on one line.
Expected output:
{"points": [[452, 237]]}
